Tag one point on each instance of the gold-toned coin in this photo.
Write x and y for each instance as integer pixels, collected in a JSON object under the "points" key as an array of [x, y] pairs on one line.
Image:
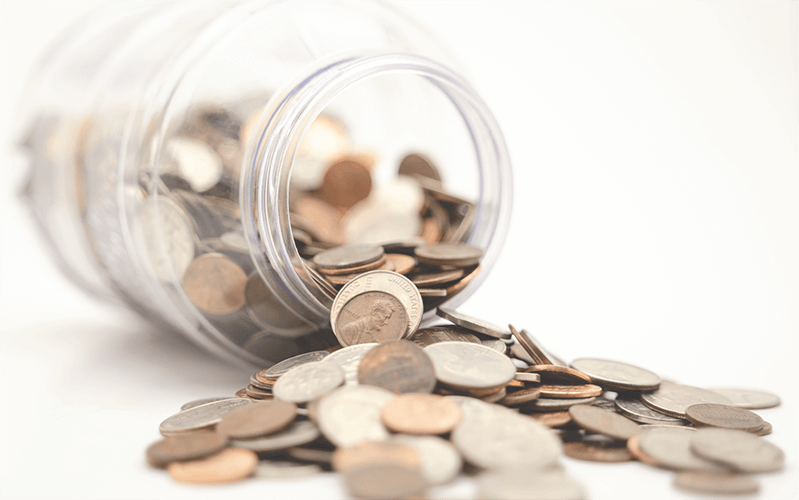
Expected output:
{"points": [[230, 464], [215, 284], [416, 413], [569, 391]]}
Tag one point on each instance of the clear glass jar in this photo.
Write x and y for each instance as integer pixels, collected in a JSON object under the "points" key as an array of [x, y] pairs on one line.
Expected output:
{"points": [[131, 99]]}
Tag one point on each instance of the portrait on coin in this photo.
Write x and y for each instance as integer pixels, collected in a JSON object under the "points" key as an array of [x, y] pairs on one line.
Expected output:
{"points": [[372, 317]]}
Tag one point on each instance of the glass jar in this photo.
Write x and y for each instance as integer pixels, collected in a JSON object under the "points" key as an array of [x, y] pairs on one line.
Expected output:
{"points": [[166, 137]]}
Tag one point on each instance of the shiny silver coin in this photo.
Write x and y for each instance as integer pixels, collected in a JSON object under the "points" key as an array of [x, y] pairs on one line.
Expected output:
{"points": [[473, 324], [671, 447], [616, 374], [274, 372], [743, 451], [308, 381], [750, 399], [470, 366], [673, 399], [350, 415], [440, 461], [298, 433], [349, 359], [634, 409], [200, 417]]}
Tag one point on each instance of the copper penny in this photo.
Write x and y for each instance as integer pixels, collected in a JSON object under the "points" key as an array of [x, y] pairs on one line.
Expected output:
{"points": [[553, 419], [448, 254], [716, 483], [532, 347], [371, 317], [439, 278], [261, 383], [417, 165], [230, 464], [416, 413], [603, 422], [346, 183], [398, 366], [556, 374], [187, 446], [350, 458], [257, 393], [725, 416], [403, 264], [570, 391], [257, 419], [385, 482], [320, 218], [215, 284], [596, 453], [519, 397]]}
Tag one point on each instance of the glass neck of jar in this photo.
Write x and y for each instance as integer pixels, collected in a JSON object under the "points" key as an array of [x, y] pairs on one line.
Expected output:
{"points": [[271, 154]]}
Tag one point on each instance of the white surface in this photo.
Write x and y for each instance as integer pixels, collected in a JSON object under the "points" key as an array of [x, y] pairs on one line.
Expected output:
{"points": [[656, 221]]}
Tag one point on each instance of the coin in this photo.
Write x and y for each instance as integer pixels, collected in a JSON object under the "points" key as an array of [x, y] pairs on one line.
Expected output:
{"points": [[215, 284], [371, 317], [616, 374], [716, 483], [518, 352], [310, 454], [230, 464], [196, 162], [349, 458], [397, 285], [519, 397], [673, 399], [764, 431], [275, 371], [256, 420], [634, 409], [283, 469], [473, 324], [398, 366], [403, 264], [471, 366], [257, 393], [261, 383], [553, 419], [724, 416], [570, 391], [186, 446], [348, 256], [199, 402], [523, 484], [432, 292], [349, 359], [343, 279], [349, 273], [603, 422], [417, 165], [740, 450], [298, 433], [351, 414], [345, 184], [448, 254], [671, 447], [556, 374], [495, 344], [384, 482], [200, 417], [596, 453], [308, 381], [416, 413], [528, 377], [438, 278], [440, 461], [434, 334], [265, 307], [167, 238], [748, 398], [532, 347], [549, 404]]}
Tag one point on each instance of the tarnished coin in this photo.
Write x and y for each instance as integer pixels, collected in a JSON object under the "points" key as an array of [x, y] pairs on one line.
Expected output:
{"points": [[673, 399], [716, 483], [186, 446], [348, 256], [349, 458], [634, 409], [415, 165], [593, 452], [275, 371], [403, 264], [258, 419], [520, 397], [670, 447], [471, 366], [371, 317], [199, 402], [434, 334], [740, 450], [215, 284], [398, 366], [230, 464], [283, 469], [448, 254], [351, 414], [524, 484], [570, 391], [553, 419], [550, 404], [396, 285], [298, 433], [748, 398], [426, 414], [309, 381], [384, 482], [603, 422], [200, 417], [349, 359], [473, 324], [440, 461], [438, 278], [616, 374], [556, 374], [724, 416]]}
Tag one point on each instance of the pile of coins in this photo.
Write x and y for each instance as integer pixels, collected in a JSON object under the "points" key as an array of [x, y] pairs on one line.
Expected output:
{"points": [[398, 415]]}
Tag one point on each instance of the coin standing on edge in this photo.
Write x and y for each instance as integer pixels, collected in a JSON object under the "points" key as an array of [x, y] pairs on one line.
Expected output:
{"points": [[472, 323]]}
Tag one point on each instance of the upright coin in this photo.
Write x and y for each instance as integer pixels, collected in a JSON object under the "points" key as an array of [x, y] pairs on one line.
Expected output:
{"points": [[215, 284], [748, 398], [532, 347], [634, 409], [473, 324], [351, 415], [349, 359], [616, 374], [716, 483], [448, 254], [673, 399], [200, 417], [346, 183], [603, 422], [671, 447], [348, 256], [435, 334], [556, 374], [470, 366], [275, 371], [309, 381], [426, 414], [371, 317], [440, 461], [186, 446], [417, 165], [724, 416], [740, 450], [298, 433], [398, 366], [257, 419], [231, 464]]}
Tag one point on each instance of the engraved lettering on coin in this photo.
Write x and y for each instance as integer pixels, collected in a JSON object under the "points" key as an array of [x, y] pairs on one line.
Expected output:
{"points": [[371, 317]]}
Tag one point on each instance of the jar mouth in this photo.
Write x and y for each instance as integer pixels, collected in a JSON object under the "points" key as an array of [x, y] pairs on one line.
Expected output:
{"points": [[270, 157]]}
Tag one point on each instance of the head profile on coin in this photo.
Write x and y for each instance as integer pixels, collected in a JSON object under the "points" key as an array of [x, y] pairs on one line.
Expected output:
{"points": [[372, 317]]}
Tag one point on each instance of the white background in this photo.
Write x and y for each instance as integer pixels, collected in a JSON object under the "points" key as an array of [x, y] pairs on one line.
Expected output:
{"points": [[656, 221]]}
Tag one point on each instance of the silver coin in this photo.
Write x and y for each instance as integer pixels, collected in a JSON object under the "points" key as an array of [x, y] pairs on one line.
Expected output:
{"points": [[283, 469], [275, 371], [495, 344], [200, 417], [166, 238], [435, 334], [519, 364], [348, 256], [235, 240], [617, 374], [472, 366], [300, 432], [196, 162], [518, 351], [524, 484], [743, 451], [308, 381], [634, 409], [671, 447], [350, 415], [673, 399], [750, 399], [551, 404], [528, 377], [388, 228], [440, 461], [389, 282], [473, 324], [199, 402], [496, 437], [349, 359], [605, 404]]}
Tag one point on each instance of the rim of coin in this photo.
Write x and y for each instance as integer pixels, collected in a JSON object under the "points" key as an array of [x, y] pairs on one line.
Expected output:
{"points": [[343, 279], [398, 366], [528, 377], [673, 399], [617, 374], [552, 419], [724, 416], [298, 433], [349, 273], [420, 414], [372, 316], [200, 417], [592, 452], [448, 254], [349, 359], [386, 281], [438, 277], [765, 431], [472, 323], [186, 446], [351, 414], [200, 402], [569, 391], [716, 483], [550, 404], [443, 333], [520, 397], [531, 346], [403, 264], [743, 451], [347, 256], [308, 381], [604, 422], [470, 366], [257, 420], [751, 399], [559, 374], [416, 164], [635, 409], [230, 464]]}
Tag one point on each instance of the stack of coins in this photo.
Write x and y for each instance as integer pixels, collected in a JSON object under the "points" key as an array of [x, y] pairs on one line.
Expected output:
{"points": [[399, 410]]}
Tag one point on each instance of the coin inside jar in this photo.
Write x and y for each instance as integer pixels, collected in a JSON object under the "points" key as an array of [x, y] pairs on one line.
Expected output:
{"points": [[215, 284], [345, 257], [449, 254]]}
